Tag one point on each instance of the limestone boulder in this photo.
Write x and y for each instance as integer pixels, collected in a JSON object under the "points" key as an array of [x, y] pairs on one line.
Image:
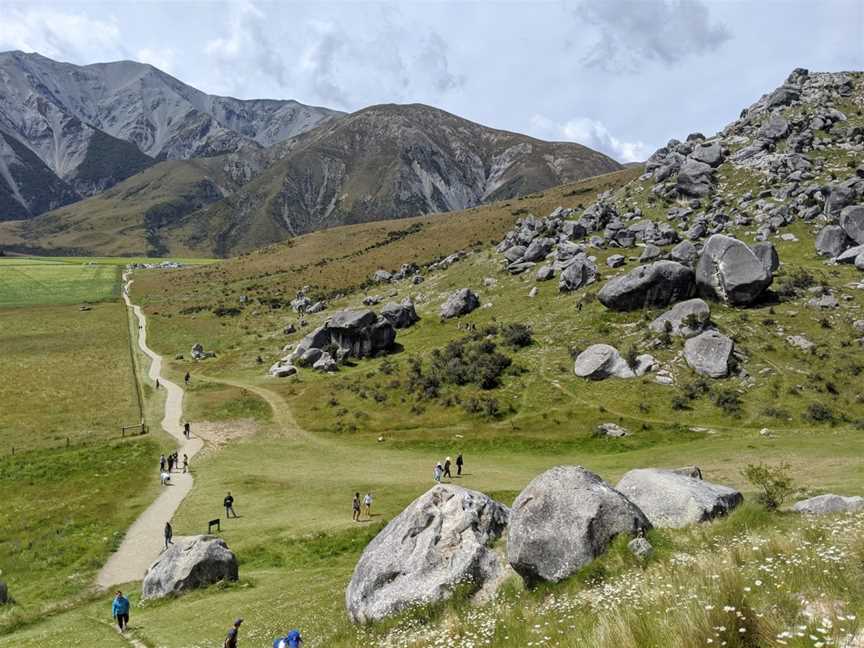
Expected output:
{"points": [[649, 286], [709, 354], [601, 361], [687, 318], [729, 271], [440, 541], [673, 500], [767, 254], [579, 272], [831, 241], [852, 222], [564, 519], [460, 303], [830, 503], [191, 562], [400, 315]]}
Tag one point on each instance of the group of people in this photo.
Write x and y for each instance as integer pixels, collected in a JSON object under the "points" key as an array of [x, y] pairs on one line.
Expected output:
{"points": [[367, 506], [120, 611], [168, 464], [443, 470]]}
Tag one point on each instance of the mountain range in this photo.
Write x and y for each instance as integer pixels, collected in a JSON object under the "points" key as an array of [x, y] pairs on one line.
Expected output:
{"points": [[268, 170]]}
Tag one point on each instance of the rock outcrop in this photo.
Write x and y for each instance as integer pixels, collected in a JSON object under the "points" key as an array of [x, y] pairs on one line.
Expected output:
{"points": [[673, 500], [400, 315], [460, 303], [191, 562], [654, 285], [563, 520], [440, 541]]}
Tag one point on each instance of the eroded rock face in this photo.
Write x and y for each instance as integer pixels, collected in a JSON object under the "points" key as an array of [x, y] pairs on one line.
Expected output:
{"points": [[563, 520], [694, 179], [400, 315], [687, 318], [674, 500], [729, 271], [657, 284], [830, 503], [191, 562], [360, 333], [767, 254], [460, 303], [439, 541], [600, 361], [831, 241], [709, 354], [852, 222], [579, 273]]}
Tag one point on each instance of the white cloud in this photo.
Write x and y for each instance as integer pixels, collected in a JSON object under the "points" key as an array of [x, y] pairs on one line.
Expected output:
{"points": [[162, 58], [61, 35], [633, 32], [591, 133]]}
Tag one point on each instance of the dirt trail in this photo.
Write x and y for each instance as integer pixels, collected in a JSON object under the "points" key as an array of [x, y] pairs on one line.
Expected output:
{"points": [[144, 540]]}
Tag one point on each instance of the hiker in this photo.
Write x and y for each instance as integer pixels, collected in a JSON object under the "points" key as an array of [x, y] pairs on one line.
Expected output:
{"points": [[459, 462], [228, 503], [355, 507], [120, 610], [185, 462], [157, 383], [438, 472], [291, 640], [367, 504], [164, 478], [187, 378], [162, 463], [186, 430], [169, 533], [171, 462], [231, 639], [447, 468]]}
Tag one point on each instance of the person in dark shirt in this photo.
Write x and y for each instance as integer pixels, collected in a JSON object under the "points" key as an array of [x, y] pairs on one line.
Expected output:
{"points": [[233, 635], [228, 503]]}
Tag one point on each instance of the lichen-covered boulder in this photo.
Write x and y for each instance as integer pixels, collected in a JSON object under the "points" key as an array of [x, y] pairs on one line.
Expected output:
{"points": [[564, 519], [191, 562], [687, 318], [440, 541], [673, 500], [709, 354], [729, 271]]}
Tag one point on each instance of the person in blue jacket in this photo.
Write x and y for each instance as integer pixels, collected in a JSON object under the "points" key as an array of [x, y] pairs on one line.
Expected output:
{"points": [[120, 610], [291, 640]]}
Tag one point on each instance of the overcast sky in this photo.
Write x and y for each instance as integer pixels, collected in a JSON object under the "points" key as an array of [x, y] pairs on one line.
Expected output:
{"points": [[621, 76]]}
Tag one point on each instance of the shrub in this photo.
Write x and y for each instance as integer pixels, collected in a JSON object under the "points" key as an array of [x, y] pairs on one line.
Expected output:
{"points": [[516, 335], [727, 400], [818, 413], [631, 355], [774, 481], [483, 406]]}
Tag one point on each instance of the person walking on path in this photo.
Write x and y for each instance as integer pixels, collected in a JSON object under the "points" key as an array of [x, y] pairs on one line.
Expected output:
{"points": [[186, 430], [459, 462], [161, 463], [355, 508], [367, 504], [120, 610], [187, 378], [157, 383], [171, 462], [291, 640], [233, 635], [169, 534], [228, 503], [447, 468], [438, 472], [185, 462]]}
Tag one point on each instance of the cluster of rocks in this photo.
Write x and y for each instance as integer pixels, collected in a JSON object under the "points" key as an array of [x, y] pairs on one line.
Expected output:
{"points": [[347, 334], [303, 304], [844, 242], [563, 519], [191, 562], [198, 352], [414, 272]]}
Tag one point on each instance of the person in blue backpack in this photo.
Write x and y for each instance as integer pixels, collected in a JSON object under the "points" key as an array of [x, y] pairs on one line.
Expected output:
{"points": [[291, 640], [120, 610]]}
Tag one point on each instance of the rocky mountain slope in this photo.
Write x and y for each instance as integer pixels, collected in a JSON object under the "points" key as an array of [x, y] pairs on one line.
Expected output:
{"points": [[82, 120], [381, 162]]}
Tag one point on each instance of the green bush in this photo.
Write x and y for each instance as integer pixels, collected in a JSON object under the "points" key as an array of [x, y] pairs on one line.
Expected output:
{"points": [[516, 335], [775, 483]]}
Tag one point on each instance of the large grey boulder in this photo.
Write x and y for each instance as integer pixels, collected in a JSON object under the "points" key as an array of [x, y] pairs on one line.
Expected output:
{"points": [[580, 272], [360, 333], [852, 222], [850, 254], [685, 253], [656, 284], [831, 241], [600, 361], [824, 504], [776, 127], [709, 354], [189, 563], [459, 303], [710, 153], [694, 179], [687, 318], [440, 541], [564, 519], [317, 339], [672, 500], [538, 249], [283, 368], [767, 254], [729, 271], [400, 315]]}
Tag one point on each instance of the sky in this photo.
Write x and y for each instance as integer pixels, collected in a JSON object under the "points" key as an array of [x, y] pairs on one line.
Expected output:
{"points": [[620, 76]]}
